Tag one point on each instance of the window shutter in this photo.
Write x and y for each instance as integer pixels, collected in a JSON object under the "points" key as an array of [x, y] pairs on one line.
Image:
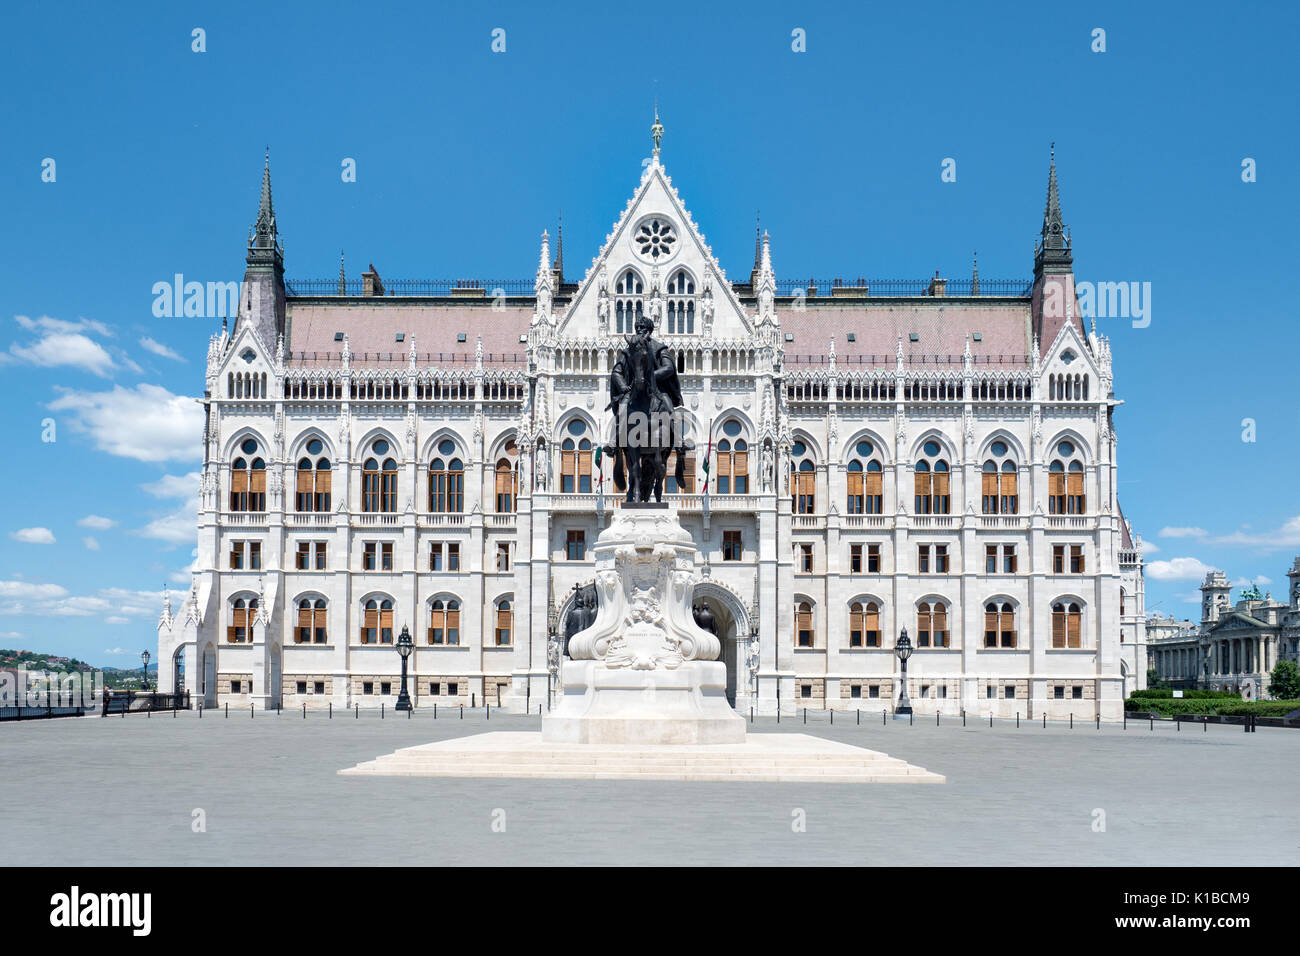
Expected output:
{"points": [[1073, 623]]}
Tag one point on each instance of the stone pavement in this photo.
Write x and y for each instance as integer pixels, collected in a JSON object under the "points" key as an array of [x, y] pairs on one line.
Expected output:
{"points": [[124, 791]]}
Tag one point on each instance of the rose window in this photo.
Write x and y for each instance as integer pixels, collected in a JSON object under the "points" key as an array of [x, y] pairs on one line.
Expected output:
{"points": [[655, 239]]}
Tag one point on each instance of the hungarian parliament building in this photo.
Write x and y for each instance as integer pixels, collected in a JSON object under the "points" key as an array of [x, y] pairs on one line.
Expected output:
{"points": [[938, 457]]}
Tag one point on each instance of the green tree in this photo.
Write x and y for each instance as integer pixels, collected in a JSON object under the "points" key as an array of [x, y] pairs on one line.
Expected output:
{"points": [[1153, 680], [1284, 682]]}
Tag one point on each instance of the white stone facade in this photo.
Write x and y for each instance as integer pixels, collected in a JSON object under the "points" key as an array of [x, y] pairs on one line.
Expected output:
{"points": [[922, 378]]}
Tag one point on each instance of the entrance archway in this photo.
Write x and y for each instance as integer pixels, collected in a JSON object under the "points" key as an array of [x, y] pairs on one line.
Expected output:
{"points": [[733, 633], [178, 670]]}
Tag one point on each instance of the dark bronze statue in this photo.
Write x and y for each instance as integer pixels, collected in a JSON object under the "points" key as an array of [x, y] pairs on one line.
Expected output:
{"points": [[704, 618], [582, 613], [644, 396]]}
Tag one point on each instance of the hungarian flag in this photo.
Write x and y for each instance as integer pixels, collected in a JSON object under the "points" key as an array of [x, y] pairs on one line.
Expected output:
{"points": [[708, 453]]}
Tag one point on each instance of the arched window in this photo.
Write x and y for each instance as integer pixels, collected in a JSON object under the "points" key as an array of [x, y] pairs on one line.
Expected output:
{"points": [[803, 480], [732, 460], [444, 622], [379, 480], [933, 496], [864, 624], [446, 480], [932, 624], [670, 478], [998, 486], [1065, 493], [311, 622], [242, 614], [628, 304], [377, 621], [865, 479], [507, 479], [314, 483], [999, 625], [575, 459], [1067, 625], [504, 623], [681, 304], [248, 479], [803, 625]]}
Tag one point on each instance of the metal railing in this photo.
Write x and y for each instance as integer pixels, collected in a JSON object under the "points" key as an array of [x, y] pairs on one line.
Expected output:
{"points": [[424, 288], [904, 288]]}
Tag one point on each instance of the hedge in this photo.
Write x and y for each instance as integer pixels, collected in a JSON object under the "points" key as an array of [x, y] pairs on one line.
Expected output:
{"points": [[1165, 693], [1226, 708]]}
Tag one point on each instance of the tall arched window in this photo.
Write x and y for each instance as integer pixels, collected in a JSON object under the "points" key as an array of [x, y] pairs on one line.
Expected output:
{"points": [[248, 479], [377, 621], [313, 479], [311, 622], [864, 624], [507, 479], [803, 480], [446, 480], [1067, 624], [628, 304], [803, 624], [242, 613], [504, 623], [379, 480], [865, 479], [681, 304], [444, 622], [1065, 493], [688, 474], [932, 624], [575, 459], [933, 495], [999, 625], [998, 486], [732, 461]]}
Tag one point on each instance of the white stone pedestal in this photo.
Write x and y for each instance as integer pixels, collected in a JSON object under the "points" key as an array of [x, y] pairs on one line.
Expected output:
{"points": [[644, 673]]}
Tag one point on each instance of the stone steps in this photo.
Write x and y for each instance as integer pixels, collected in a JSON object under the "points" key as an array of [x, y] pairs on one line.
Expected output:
{"points": [[762, 758]]}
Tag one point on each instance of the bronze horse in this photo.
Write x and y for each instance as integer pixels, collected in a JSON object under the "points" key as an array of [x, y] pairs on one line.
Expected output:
{"points": [[646, 428]]}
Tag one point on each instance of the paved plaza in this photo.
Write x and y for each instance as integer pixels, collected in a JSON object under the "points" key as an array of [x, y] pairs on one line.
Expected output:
{"points": [[94, 791]]}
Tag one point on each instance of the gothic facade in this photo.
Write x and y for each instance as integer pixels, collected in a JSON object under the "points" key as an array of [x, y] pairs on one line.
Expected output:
{"points": [[938, 456]]}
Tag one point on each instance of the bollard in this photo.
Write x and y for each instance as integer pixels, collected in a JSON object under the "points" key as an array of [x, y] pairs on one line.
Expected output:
{"points": [[304, 710], [832, 718], [357, 715], [435, 710], [1125, 720], [936, 718], [1017, 720], [751, 713], [1178, 724], [1099, 721], [859, 716], [1071, 720], [227, 710], [963, 716], [1045, 720], [990, 718], [882, 719], [805, 715], [473, 700], [462, 711], [1153, 722], [1205, 725], [911, 719], [200, 711], [381, 710], [331, 710], [487, 708]]}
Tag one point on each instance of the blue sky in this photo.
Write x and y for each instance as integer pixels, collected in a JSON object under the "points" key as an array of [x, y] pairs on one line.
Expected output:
{"points": [[464, 156]]}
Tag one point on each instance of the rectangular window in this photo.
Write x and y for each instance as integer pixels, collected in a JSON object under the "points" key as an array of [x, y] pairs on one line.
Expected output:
{"points": [[1074, 493], [302, 560], [386, 556], [940, 559], [236, 686], [805, 497], [452, 690], [873, 559], [453, 556], [855, 559], [1077, 693], [805, 691], [236, 555], [302, 687], [1058, 559], [988, 692], [368, 557], [922, 559], [503, 556], [385, 688], [990, 559], [873, 690], [803, 626], [255, 555], [318, 687], [1008, 559], [575, 545], [1058, 692], [1010, 692], [855, 691], [435, 555], [1076, 559], [805, 558], [367, 687], [731, 546]]}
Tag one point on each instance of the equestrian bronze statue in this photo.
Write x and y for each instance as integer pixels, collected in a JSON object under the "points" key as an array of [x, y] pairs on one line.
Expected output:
{"points": [[644, 397]]}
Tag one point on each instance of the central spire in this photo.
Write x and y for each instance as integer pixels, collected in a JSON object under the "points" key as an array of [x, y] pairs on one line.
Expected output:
{"points": [[1053, 249], [264, 229], [657, 132]]}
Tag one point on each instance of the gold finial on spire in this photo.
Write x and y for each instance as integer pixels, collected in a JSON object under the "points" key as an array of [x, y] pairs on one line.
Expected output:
{"points": [[657, 131]]}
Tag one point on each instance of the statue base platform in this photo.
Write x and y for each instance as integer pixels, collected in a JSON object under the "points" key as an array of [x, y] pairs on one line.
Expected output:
{"points": [[622, 705]]}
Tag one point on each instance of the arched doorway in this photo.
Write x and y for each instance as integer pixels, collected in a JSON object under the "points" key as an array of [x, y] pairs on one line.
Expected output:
{"points": [[733, 633], [178, 670]]}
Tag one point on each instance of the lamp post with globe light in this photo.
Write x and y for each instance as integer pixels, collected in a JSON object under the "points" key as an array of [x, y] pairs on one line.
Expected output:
{"points": [[904, 650], [404, 647]]}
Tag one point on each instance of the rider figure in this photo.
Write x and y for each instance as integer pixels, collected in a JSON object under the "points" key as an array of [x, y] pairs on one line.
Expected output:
{"points": [[665, 382]]}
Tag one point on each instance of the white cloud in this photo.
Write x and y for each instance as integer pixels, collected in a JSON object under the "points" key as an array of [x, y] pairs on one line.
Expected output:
{"points": [[98, 522], [47, 324], [33, 535], [1287, 536], [174, 486], [64, 348], [53, 600], [117, 650], [1178, 569], [25, 590], [147, 422], [90, 543], [13, 634], [115, 619], [1149, 547], [157, 348], [178, 526], [1183, 532]]}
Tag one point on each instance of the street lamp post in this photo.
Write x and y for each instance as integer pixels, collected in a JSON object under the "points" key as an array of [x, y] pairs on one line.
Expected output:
{"points": [[144, 656], [404, 648], [904, 650]]}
